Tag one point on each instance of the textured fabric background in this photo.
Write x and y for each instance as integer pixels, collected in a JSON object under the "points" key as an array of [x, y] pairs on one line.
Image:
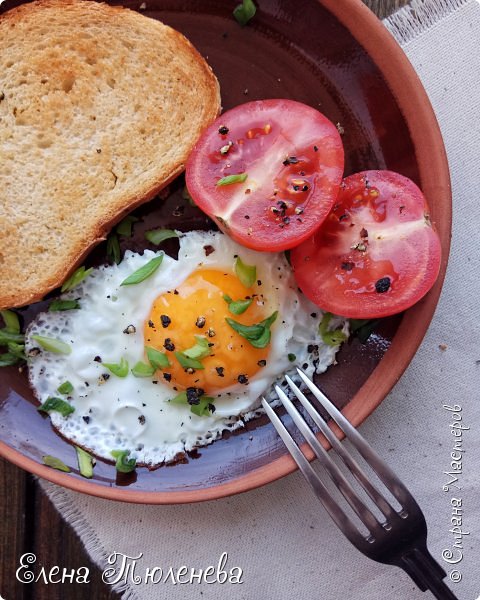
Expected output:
{"points": [[279, 535]]}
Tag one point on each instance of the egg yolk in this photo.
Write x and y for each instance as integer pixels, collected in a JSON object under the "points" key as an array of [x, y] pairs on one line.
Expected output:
{"points": [[198, 308]]}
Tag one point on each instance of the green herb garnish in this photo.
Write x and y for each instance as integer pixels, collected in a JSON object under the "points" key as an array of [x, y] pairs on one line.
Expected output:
{"points": [[200, 350], [292, 357], [180, 398], [55, 463], [122, 463], [257, 335], [119, 369], [8, 359], [246, 273], [143, 370], [85, 463], [202, 406], [188, 363], [158, 360], [244, 12], [125, 227], [331, 338], [52, 344], [58, 305], [7, 336], [231, 179], [157, 236], [113, 249], [17, 350], [65, 388], [12, 323], [144, 272], [363, 328], [56, 405], [237, 307], [80, 274]]}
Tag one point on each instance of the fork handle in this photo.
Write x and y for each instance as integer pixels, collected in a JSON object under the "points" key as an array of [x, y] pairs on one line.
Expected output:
{"points": [[426, 573]]}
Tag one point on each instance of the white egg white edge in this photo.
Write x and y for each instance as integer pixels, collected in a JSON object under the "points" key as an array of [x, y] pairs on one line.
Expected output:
{"points": [[306, 334]]}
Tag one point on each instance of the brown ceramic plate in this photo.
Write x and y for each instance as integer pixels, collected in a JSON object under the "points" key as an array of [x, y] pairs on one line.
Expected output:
{"points": [[335, 56]]}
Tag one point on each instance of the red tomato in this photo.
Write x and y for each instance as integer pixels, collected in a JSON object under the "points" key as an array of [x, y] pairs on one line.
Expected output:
{"points": [[376, 254], [288, 159]]}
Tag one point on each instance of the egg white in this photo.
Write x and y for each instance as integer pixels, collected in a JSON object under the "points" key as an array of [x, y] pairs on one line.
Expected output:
{"points": [[133, 413]]}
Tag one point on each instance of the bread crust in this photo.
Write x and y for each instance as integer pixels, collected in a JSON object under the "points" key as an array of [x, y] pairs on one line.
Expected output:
{"points": [[76, 141]]}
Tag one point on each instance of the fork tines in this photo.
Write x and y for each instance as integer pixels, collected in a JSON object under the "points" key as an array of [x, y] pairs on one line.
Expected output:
{"points": [[375, 527]]}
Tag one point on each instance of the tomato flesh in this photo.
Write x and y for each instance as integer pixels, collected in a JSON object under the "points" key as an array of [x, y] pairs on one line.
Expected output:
{"points": [[376, 254], [292, 157]]}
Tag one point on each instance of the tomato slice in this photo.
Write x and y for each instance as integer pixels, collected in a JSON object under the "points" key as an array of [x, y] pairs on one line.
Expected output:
{"points": [[376, 254], [286, 160]]}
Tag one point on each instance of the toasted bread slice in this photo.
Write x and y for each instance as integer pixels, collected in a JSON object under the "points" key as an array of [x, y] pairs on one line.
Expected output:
{"points": [[99, 109]]}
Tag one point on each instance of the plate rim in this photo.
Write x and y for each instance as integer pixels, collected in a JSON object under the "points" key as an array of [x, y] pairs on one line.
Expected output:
{"points": [[415, 106]]}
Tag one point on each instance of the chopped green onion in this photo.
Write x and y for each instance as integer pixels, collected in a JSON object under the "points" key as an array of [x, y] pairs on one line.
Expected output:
{"points": [[180, 398], [52, 344], [55, 463], [65, 388], [7, 359], [12, 323], [363, 328], [200, 350], [331, 338], [125, 227], [188, 363], [7, 336], [56, 405], [58, 305], [17, 350], [122, 463], [249, 332], [246, 273], [113, 249], [230, 179], [143, 370], [157, 236], [144, 272], [237, 307], [292, 357], [80, 274], [244, 12], [119, 369], [257, 335], [203, 408], [85, 463], [158, 360]]}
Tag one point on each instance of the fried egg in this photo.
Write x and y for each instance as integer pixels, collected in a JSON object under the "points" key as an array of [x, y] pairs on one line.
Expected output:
{"points": [[182, 310]]}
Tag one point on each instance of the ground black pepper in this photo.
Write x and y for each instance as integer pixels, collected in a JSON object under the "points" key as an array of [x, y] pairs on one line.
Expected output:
{"points": [[166, 320], [169, 345], [382, 285], [194, 394]]}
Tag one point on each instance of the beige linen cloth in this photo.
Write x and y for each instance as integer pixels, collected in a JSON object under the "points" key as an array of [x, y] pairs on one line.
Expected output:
{"points": [[280, 535]]}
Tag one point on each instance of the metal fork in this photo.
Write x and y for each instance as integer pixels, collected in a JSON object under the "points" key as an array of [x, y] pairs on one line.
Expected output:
{"points": [[399, 537]]}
